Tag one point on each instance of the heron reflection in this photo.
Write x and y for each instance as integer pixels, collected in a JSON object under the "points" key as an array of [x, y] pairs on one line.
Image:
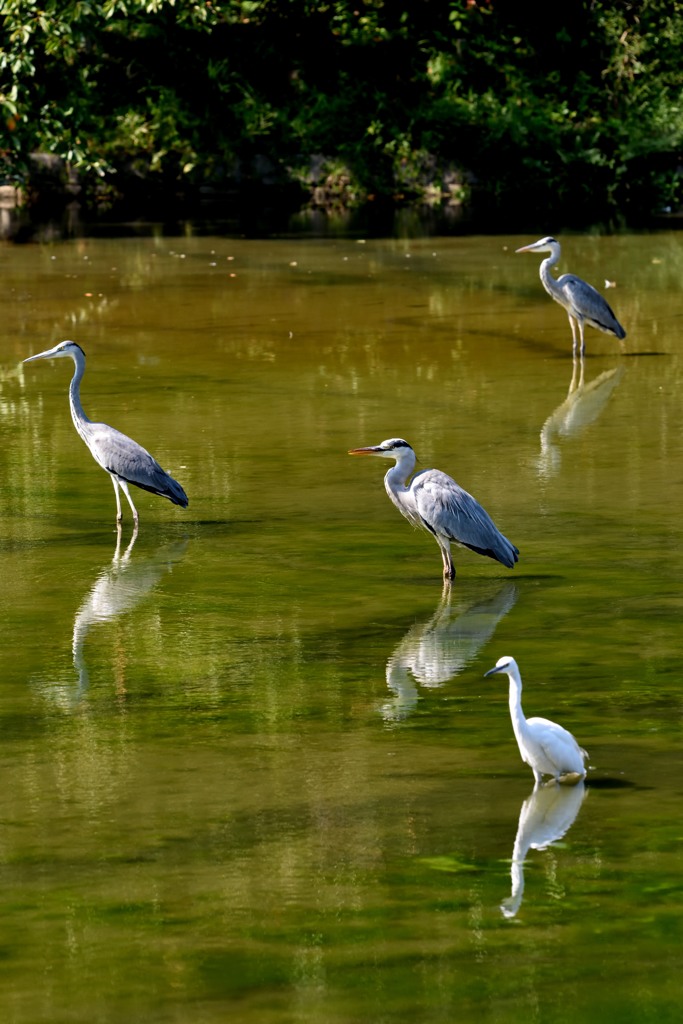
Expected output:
{"points": [[582, 406], [435, 651], [546, 815], [118, 589]]}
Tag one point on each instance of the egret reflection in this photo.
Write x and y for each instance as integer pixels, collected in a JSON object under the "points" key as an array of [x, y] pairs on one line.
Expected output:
{"points": [[118, 589], [435, 651], [546, 815], [582, 406]]}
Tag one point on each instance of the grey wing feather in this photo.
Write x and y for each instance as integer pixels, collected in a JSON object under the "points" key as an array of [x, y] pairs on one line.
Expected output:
{"points": [[125, 458], [589, 304], [447, 509]]}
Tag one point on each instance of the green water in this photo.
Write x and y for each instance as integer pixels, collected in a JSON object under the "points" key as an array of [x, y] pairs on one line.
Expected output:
{"points": [[251, 768]]}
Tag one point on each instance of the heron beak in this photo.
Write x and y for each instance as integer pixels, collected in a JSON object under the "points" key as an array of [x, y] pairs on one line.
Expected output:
{"points": [[48, 354], [493, 671], [526, 248], [365, 451]]}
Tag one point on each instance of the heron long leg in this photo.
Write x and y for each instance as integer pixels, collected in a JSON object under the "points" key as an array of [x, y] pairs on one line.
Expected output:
{"points": [[448, 567], [572, 324], [119, 515], [583, 343], [124, 487]]}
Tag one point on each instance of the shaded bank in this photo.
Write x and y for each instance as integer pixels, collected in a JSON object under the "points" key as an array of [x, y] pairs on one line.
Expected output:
{"points": [[276, 213], [571, 113]]}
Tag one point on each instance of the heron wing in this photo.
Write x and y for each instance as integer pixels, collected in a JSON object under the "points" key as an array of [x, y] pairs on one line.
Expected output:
{"points": [[586, 303], [127, 459], [449, 511]]}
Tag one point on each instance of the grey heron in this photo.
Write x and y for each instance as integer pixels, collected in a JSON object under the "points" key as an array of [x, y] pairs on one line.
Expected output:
{"points": [[584, 305], [125, 460], [544, 745], [435, 503]]}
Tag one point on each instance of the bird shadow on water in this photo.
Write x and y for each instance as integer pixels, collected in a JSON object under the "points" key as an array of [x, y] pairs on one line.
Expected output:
{"points": [[583, 405], [435, 651], [545, 817]]}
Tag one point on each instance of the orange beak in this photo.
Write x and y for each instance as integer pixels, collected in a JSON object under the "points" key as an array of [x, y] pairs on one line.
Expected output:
{"points": [[364, 451]]}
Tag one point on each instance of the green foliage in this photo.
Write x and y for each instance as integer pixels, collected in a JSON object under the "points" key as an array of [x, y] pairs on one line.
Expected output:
{"points": [[574, 107]]}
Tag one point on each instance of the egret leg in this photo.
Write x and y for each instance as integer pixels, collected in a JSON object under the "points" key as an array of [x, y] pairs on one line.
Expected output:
{"points": [[124, 487], [119, 516]]}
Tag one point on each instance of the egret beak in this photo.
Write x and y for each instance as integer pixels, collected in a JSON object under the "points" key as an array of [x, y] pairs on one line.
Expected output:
{"points": [[373, 450], [492, 671]]}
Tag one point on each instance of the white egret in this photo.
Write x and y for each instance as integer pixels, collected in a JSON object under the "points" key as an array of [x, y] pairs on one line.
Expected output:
{"points": [[583, 303], [544, 745], [434, 502], [125, 460]]}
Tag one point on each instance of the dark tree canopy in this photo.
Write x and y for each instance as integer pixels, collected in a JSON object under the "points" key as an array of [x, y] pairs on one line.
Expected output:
{"points": [[555, 107]]}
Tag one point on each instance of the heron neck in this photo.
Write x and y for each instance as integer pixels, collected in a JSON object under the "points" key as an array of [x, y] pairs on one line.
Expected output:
{"points": [[395, 484], [396, 478], [77, 413], [548, 281]]}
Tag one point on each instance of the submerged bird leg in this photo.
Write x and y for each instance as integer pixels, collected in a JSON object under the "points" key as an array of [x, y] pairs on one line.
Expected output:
{"points": [[572, 324], [124, 487], [583, 343], [569, 778], [576, 365], [131, 544], [582, 371], [117, 550], [119, 515]]}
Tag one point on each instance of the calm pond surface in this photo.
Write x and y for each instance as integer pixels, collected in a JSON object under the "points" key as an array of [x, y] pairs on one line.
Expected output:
{"points": [[251, 768]]}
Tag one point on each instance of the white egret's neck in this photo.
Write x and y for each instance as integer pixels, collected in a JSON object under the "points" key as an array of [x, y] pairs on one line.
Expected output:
{"points": [[77, 413], [548, 281], [516, 714]]}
